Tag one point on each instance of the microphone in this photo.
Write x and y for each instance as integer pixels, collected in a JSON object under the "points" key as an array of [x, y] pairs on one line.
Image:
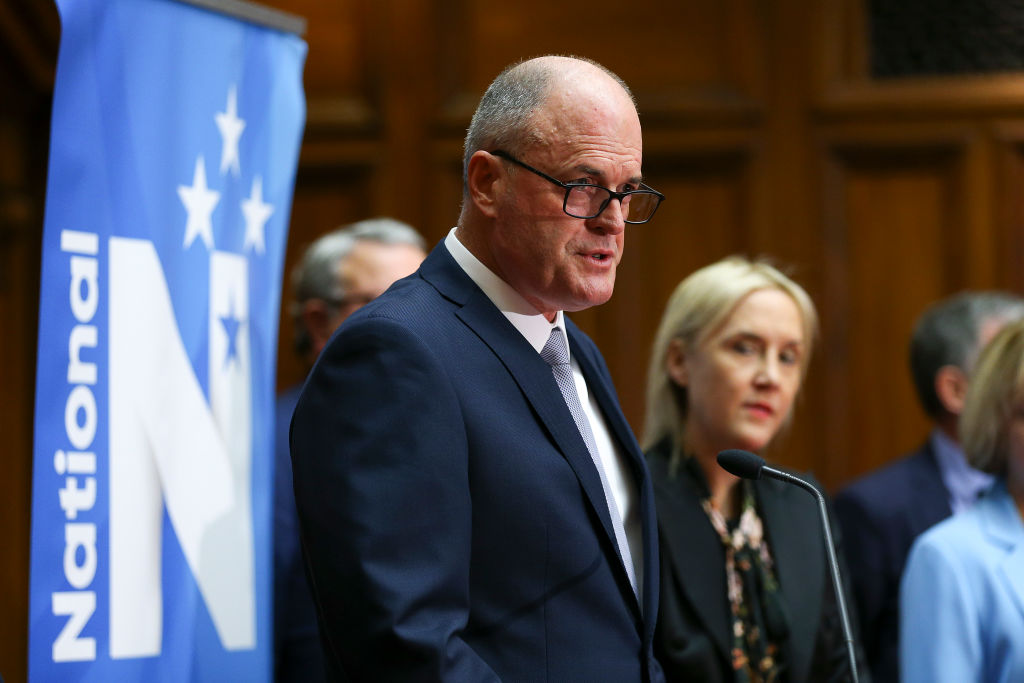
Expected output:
{"points": [[746, 465]]}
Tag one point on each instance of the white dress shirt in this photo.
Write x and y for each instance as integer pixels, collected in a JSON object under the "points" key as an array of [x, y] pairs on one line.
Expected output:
{"points": [[536, 329]]}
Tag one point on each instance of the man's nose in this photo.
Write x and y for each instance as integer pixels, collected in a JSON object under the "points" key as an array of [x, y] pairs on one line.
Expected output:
{"points": [[612, 220]]}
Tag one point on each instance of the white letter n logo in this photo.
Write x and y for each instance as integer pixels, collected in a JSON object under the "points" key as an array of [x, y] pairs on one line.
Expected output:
{"points": [[168, 445]]}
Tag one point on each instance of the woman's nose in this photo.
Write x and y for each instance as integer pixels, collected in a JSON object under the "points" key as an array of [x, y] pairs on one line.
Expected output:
{"points": [[767, 372]]}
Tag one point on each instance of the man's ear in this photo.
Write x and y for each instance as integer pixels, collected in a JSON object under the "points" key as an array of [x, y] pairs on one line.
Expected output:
{"points": [[675, 363], [951, 388], [319, 322], [484, 178]]}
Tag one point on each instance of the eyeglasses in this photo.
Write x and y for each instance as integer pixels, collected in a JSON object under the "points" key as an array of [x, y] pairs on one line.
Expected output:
{"points": [[586, 200], [351, 300]]}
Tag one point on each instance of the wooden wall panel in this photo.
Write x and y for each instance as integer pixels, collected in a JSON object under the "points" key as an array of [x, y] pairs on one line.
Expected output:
{"points": [[338, 65], [693, 59], [894, 231], [22, 177], [19, 287], [1009, 189], [444, 189]]}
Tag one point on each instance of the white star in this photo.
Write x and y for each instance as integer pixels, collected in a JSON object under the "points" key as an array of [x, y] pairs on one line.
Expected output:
{"points": [[231, 128], [199, 202], [256, 215]]}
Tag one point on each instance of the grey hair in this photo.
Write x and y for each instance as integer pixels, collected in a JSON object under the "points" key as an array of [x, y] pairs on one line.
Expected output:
{"points": [[947, 334], [504, 118], [316, 275], [700, 304]]}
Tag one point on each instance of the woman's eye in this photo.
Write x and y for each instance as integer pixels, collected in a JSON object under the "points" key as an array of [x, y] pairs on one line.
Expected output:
{"points": [[789, 357], [744, 347]]}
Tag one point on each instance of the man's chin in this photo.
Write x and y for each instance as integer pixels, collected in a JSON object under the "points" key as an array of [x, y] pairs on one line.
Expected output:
{"points": [[588, 300]]}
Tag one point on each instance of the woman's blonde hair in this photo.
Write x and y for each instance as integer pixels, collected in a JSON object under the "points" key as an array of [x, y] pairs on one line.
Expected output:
{"points": [[698, 306], [996, 387]]}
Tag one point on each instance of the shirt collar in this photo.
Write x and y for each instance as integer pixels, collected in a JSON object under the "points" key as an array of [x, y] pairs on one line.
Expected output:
{"points": [[963, 482], [521, 313]]}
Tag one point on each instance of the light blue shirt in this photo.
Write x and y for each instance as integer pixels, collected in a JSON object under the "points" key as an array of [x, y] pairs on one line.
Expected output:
{"points": [[963, 482], [962, 597]]}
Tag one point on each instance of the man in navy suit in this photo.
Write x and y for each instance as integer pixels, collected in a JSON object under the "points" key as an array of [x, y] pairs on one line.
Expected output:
{"points": [[882, 513], [472, 503], [338, 273]]}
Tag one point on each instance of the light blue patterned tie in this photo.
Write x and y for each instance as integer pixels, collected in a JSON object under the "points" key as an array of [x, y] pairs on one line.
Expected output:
{"points": [[556, 355]]}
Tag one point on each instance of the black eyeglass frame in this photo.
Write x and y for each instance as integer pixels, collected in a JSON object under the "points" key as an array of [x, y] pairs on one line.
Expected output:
{"points": [[569, 187]]}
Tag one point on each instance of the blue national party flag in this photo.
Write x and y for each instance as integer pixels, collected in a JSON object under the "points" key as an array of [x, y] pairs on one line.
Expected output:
{"points": [[174, 145]]}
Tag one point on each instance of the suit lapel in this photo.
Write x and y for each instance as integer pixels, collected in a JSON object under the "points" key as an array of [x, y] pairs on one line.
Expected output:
{"points": [[621, 432], [794, 536], [1003, 525], [538, 384], [527, 368], [609, 404], [694, 551]]}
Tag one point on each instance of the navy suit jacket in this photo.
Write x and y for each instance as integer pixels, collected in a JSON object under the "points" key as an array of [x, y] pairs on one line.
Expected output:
{"points": [[298, 657], [880, 515], [453, 522]]}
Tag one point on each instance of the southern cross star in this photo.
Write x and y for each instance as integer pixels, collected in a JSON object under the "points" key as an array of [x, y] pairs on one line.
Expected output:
{"points": [[199, 202], [231, 128], [256, 215]]}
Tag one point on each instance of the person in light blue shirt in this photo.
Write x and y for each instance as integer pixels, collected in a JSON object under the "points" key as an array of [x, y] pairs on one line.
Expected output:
{"points": [[881, 513], [962, 593]]}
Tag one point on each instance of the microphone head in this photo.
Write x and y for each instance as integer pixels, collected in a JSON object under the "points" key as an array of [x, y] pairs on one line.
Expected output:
{"points": [[743, 464]]}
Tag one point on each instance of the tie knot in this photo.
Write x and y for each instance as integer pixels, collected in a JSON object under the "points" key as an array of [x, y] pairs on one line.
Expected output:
{"points": [[554, 351]]}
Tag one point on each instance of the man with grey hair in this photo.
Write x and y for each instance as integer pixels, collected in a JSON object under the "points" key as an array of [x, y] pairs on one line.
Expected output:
{"points": [[346, 269], [882, 513], [472, 502], [339, 272]]}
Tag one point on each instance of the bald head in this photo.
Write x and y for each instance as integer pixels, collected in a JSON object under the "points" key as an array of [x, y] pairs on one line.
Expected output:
{"points": [[510, 115], [541, 124]]}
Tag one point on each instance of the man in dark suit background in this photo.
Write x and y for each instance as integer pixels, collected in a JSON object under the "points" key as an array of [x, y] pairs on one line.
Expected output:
{"points": [[338, 273], [882, 513], [473, 505]]}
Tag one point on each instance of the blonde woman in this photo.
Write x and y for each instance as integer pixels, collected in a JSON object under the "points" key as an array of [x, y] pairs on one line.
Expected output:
{"points": [[962, 593], [745, 589]]}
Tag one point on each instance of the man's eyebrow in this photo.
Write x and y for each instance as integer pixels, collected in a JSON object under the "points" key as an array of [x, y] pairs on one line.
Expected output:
{"points": [[590, 170]]}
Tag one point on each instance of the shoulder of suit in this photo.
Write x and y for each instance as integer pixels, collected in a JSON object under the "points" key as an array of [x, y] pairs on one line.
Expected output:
{"points": [[411, 301], [878, 488], [958, 538], [413, 318]]}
